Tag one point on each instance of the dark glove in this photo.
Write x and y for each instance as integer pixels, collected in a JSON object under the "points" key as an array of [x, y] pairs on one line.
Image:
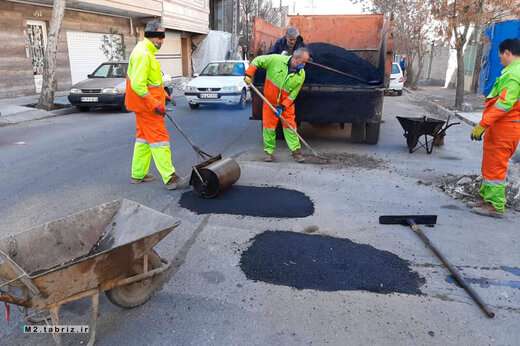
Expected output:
{"points": [[279, 111], [160, 110]]}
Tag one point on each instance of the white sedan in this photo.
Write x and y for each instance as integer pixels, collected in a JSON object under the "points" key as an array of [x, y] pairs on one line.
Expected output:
{"points": [[396, 79], [219, 82]]}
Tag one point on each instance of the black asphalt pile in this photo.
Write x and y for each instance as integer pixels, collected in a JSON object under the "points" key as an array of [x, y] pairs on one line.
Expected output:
{"points": [[339, 59], [345, 160], [325, 263], [256, 201], [467, 187]]}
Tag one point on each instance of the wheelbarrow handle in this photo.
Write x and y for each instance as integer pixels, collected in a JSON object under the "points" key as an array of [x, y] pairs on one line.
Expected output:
{"points": [[22, 275], [443, 130]]}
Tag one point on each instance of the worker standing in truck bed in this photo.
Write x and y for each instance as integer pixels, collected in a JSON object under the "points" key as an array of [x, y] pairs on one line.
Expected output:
{"points": [[287, 44]]}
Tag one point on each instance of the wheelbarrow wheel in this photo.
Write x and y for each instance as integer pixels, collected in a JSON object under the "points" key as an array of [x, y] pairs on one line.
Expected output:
{"points": [[138, 293]]}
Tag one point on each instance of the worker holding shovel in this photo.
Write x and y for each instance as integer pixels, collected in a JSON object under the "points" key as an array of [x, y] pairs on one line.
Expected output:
{"points": [[501, 124], [285, 76], [146, 97]]}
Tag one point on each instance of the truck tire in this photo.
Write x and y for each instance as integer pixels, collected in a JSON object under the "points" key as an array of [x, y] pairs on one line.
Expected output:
{"points": [[372, 133], [358, 132]]}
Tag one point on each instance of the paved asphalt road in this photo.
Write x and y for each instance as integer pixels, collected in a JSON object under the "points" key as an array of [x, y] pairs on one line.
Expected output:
{"points": [[61, 165], [54, 167]]}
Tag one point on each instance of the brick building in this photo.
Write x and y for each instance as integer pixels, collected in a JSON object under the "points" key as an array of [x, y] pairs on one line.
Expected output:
{"points": [[93, 31]]}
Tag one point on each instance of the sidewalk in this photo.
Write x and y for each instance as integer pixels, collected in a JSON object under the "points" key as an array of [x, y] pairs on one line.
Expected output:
{"points": [[16, 110], [442, 100]]}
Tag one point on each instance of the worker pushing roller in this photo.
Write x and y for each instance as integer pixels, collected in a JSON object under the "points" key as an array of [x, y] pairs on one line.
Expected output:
{"points": [[285, 76], [146, 97], [501, 125]]}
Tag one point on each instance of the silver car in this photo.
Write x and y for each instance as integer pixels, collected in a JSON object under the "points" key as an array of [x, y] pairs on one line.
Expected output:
{"points": [[105, 87]]}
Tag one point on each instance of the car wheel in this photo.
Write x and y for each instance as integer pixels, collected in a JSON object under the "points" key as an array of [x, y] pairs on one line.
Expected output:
{"points": [[83, 108], [193, 105], [399, 92], [243, 100]]}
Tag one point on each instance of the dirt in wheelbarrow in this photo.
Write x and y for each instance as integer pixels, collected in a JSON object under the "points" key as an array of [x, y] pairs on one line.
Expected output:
{"points": [[326, 263], [345, 160]]}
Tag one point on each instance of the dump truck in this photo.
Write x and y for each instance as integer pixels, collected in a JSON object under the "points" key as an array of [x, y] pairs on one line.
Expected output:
{"points": [[359, 45]]}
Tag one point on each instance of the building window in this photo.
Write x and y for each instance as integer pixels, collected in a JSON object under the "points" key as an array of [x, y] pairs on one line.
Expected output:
{"points": [[217, 14]]}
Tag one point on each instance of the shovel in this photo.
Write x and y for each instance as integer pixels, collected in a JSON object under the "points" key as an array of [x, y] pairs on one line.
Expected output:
{"points": [[214, 174], [314, 152], [414, 221]]}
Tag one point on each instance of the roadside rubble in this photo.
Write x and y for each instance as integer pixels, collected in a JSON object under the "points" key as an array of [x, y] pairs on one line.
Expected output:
{"points": [[466, 187]]}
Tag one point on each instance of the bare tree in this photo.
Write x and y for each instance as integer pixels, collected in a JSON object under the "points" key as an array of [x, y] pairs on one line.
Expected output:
{"points": [[249, 9], [413, 26], [49, 68], [458, 17]]}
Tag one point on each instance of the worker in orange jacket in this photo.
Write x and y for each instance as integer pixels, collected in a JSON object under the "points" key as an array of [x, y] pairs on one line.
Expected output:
{"points": [[285, 76], [501, 125], [145, 96]]}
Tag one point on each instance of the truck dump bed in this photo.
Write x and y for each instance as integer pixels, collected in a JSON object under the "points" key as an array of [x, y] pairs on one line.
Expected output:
{"points": [[355, 44]]}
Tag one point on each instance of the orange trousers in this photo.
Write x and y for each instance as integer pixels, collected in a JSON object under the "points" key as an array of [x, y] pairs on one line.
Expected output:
{"points": [[500, 143]]}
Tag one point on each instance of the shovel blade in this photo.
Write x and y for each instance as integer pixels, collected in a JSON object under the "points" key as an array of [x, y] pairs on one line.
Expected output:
{"points": [[404, 219]]}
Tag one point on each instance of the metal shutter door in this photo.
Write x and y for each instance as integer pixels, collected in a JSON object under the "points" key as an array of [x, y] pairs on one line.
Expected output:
{"points": [[85, 53], [170, 54]]}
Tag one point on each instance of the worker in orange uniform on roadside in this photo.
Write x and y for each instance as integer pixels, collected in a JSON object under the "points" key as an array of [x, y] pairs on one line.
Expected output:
{"points": [[146, 97], [501, 125], [285, 76]]}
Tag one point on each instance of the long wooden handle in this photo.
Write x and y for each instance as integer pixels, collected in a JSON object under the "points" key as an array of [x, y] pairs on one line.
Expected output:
{"points": [[454, 272]]}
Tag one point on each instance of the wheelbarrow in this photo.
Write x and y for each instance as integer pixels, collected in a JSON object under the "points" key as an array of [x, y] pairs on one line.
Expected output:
{"points": [[417, 127], [108, 248]]}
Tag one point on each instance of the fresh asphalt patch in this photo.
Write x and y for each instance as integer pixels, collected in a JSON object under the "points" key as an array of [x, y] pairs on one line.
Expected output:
{"points": [[326, 263], [273, 202]]}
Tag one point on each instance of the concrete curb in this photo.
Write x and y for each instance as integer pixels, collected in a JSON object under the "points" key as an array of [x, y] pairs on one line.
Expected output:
{"points": [[33, 115], [438, 109]]}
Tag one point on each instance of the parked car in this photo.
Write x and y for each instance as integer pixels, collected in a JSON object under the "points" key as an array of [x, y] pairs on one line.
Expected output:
{"points": [[105, 87], [219, 82], [396, 79]]}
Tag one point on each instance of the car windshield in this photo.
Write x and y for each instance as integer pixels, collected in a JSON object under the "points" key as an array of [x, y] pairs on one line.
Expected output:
{"points": [[395, 69], [224, 69], [114, 70]]}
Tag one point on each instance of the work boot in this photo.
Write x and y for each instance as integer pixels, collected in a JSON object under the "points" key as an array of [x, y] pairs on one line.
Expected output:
{"points": [[488, 210], [268, 157], [173, 183], [146, 179], [476, 204], [297, 156]]}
